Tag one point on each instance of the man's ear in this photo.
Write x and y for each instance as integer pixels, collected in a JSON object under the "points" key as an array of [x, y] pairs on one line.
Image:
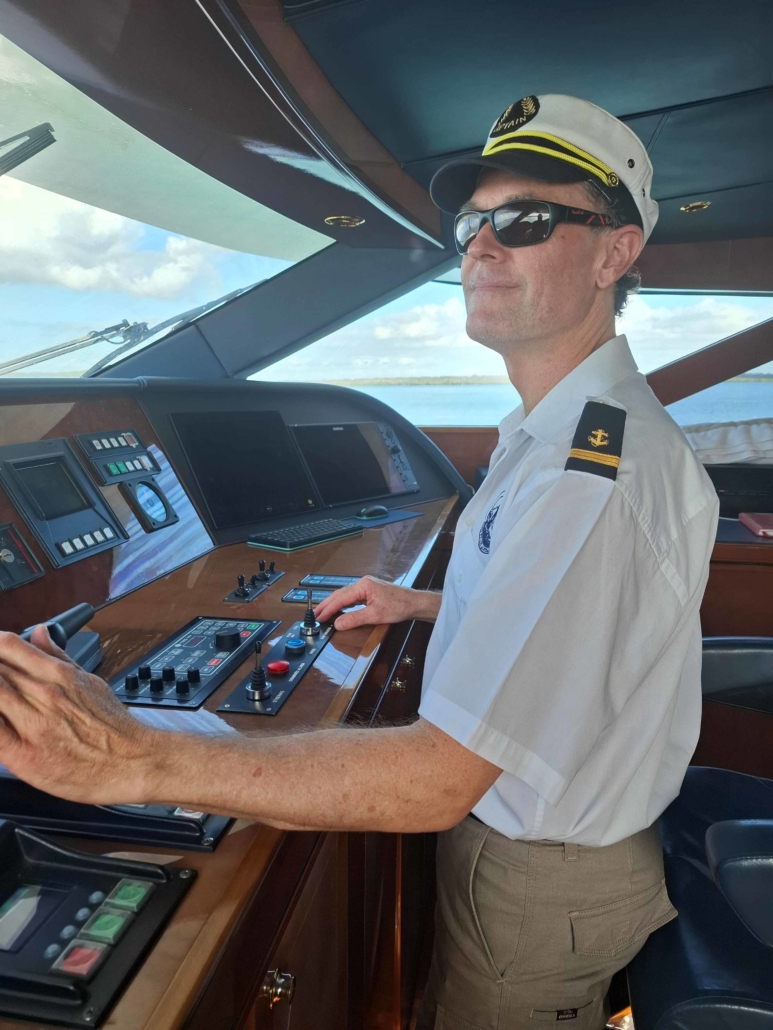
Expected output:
{"points": [[623, 246]]}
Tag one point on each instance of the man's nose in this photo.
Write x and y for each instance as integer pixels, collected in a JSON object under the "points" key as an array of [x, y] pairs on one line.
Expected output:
{"points": [[485, 245]]}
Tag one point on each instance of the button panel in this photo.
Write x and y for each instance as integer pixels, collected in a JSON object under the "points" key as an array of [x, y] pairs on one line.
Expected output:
{"points": [[107, 925], [82, 959]]}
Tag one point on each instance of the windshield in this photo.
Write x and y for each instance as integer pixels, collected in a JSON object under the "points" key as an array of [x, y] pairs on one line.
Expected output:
{"points": [[108, 240]]}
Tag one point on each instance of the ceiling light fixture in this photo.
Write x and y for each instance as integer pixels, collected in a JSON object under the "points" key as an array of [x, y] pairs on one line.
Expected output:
{"points": [[344, 221], [696, 205]]}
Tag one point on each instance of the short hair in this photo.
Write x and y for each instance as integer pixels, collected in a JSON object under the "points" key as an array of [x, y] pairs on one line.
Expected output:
{"points": [[620, 213]]}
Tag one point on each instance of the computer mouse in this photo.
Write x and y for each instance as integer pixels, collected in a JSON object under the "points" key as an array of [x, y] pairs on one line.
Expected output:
{"points": [[375, 511]]}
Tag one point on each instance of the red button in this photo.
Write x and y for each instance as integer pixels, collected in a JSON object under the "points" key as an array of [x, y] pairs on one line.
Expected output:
{"points": [[79, 960], [278, 668], [214, 661]]}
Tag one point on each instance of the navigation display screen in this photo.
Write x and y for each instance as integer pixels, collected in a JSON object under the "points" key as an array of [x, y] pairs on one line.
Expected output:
{"points": [[52, 488], [349, 462], [246, 465]]}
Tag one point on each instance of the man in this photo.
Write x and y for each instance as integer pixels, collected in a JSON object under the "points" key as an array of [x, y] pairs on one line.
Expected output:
{"points": [[561, 698]]}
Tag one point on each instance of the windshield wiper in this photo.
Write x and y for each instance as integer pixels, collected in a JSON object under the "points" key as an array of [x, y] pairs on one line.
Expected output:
{"points": [[37, 139], [123, 336]]}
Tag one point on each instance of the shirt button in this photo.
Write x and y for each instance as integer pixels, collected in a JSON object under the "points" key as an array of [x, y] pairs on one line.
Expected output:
{"points": [[468, 521]]}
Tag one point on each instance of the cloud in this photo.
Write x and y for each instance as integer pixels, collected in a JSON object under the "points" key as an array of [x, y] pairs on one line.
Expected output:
{"points": [[52, 240], [425, 340]]}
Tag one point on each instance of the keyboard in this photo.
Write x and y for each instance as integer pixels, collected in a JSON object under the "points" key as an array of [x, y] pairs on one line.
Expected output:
{"points": [[294, 537]]}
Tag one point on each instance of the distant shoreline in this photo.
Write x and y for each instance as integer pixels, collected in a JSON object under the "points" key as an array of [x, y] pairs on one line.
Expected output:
{"points": [[481, 381], [423, 381]]}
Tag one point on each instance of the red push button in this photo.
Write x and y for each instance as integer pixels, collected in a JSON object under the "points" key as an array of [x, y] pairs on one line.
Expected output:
{"points": [[81, 959], [278, 668]]}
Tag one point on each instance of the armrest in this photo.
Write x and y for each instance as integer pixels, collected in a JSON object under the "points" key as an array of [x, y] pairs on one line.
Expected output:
{"points": [[740, 855]]}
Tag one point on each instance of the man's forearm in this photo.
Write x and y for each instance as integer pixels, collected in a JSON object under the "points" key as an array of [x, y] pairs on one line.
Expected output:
{"points": [[385, 780], [427, 605]]}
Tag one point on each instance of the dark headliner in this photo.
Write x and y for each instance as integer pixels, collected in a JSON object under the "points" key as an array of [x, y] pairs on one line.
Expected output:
{"points": [[694, 79]]}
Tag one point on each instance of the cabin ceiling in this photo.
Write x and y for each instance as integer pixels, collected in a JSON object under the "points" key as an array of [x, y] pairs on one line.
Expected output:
{"points": [[694, 79]]}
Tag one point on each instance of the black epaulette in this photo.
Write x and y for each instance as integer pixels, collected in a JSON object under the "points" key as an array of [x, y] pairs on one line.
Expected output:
{"points": [[598, 440]]}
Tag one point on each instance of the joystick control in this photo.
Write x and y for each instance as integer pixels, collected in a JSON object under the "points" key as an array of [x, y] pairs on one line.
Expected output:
{"points": [[241, 589], [262, 575], [258, 688], [309, 627], [227, 639], [272, 568]]}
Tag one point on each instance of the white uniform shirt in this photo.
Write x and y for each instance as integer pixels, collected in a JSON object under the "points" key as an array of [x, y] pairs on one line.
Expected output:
{"points": [[567, 650]]}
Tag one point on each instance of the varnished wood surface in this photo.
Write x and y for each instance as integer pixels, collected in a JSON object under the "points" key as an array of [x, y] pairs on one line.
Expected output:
{"points": [[711, 265], [165, 993]]}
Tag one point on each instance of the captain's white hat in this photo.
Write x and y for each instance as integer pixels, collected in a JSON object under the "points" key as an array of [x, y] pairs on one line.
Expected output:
{"points": [[558, 138]]}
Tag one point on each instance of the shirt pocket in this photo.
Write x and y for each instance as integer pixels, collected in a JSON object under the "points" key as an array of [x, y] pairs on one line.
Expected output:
{"points": [[611, 930]]}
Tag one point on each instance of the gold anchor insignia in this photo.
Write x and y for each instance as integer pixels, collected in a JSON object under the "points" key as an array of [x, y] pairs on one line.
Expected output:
{"points": [[598, 438]]}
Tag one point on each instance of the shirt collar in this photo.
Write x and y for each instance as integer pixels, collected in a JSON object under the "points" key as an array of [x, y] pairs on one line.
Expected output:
{"points": [[604, 368]]}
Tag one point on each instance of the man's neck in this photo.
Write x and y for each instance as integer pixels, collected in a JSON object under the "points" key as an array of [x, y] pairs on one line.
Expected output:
{"points": [[535, 366]]}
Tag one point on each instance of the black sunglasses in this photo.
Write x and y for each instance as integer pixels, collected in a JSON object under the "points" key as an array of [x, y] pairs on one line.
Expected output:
{"points": [[521, 224]]}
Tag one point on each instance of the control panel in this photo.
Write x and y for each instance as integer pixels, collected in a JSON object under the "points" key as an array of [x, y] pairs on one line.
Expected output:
{"points": [[66, 512], [73, 927], [274, 678], [247, 590], [18, 564], [189, 665], [117, 456]]}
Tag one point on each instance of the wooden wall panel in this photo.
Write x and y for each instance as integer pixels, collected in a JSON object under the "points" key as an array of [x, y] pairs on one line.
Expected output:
{"points": [[465, 446]]}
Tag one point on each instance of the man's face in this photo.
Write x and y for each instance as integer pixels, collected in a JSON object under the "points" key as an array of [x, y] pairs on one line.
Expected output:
{"points": [[522, 294]]}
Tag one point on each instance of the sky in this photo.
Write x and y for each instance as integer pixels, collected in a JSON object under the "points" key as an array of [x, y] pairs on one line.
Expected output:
{"points": [[67, 268]]}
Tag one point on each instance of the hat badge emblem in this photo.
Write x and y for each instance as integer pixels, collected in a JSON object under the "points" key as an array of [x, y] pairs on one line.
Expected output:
{"points": [[519, 113]]}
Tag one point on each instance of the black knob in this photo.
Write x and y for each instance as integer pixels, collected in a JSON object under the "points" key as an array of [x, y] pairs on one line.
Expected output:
{"points": [[144, 672], [183, 686], [168, 674], [194, 676], [227, 639], [262, 564], [156, 685], [272, 568], [240, 580], [258, 688], [132, 682]]}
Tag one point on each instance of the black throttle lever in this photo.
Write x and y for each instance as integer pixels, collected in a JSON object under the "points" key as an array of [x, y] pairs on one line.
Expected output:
{"points": [[64, 626]]}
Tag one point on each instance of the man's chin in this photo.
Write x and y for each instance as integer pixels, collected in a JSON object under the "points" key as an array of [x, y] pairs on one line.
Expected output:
{"points": [[490, 333]]}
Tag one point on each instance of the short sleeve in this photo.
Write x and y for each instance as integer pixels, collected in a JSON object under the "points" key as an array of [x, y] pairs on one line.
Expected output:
{"points": [[542, 662]]}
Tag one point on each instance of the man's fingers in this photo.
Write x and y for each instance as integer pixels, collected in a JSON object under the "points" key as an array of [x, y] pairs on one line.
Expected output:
{"points": [[341, 598], [362, 617], [19, 654], [41, 638]]}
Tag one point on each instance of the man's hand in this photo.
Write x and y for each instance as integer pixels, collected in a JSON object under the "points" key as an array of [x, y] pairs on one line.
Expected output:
{"points": [[62, 730], [383, 602]]}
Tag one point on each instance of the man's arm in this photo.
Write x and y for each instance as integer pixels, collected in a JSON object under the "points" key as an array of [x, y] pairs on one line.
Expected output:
{"points": [[63, 731]]}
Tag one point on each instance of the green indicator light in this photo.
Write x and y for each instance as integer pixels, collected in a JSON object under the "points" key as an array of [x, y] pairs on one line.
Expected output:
{"points": [[112, 468], [122, 467], [106, 926], [130, 894], [252, 625]]}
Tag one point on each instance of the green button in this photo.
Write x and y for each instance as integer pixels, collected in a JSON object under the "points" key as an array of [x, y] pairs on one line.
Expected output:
{"points": [[122, 467], [113, 469], [252, 625], [107, 926], [131, 894]]}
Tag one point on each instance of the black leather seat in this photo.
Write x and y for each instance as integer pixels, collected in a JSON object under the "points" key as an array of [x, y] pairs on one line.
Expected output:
{"points": [[708, 969], [739, 671]]}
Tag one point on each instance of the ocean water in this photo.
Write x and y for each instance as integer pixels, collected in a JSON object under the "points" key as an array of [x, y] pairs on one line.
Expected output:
{"points": [[488, 405]]}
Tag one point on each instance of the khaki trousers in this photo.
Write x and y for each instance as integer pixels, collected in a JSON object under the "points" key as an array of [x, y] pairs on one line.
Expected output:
{"points": [[529, 933]]}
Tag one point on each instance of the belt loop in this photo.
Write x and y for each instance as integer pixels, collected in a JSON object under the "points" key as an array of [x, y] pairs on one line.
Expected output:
{"points": [[570, 852]]}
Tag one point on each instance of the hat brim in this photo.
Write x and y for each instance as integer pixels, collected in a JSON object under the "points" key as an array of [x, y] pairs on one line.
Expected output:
{"points": [[454, 183]]}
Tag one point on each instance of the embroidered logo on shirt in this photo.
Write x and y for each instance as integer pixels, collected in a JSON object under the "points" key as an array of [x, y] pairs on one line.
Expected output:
{"points": [[566, 1014], [484, 537], [598, 438]]}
